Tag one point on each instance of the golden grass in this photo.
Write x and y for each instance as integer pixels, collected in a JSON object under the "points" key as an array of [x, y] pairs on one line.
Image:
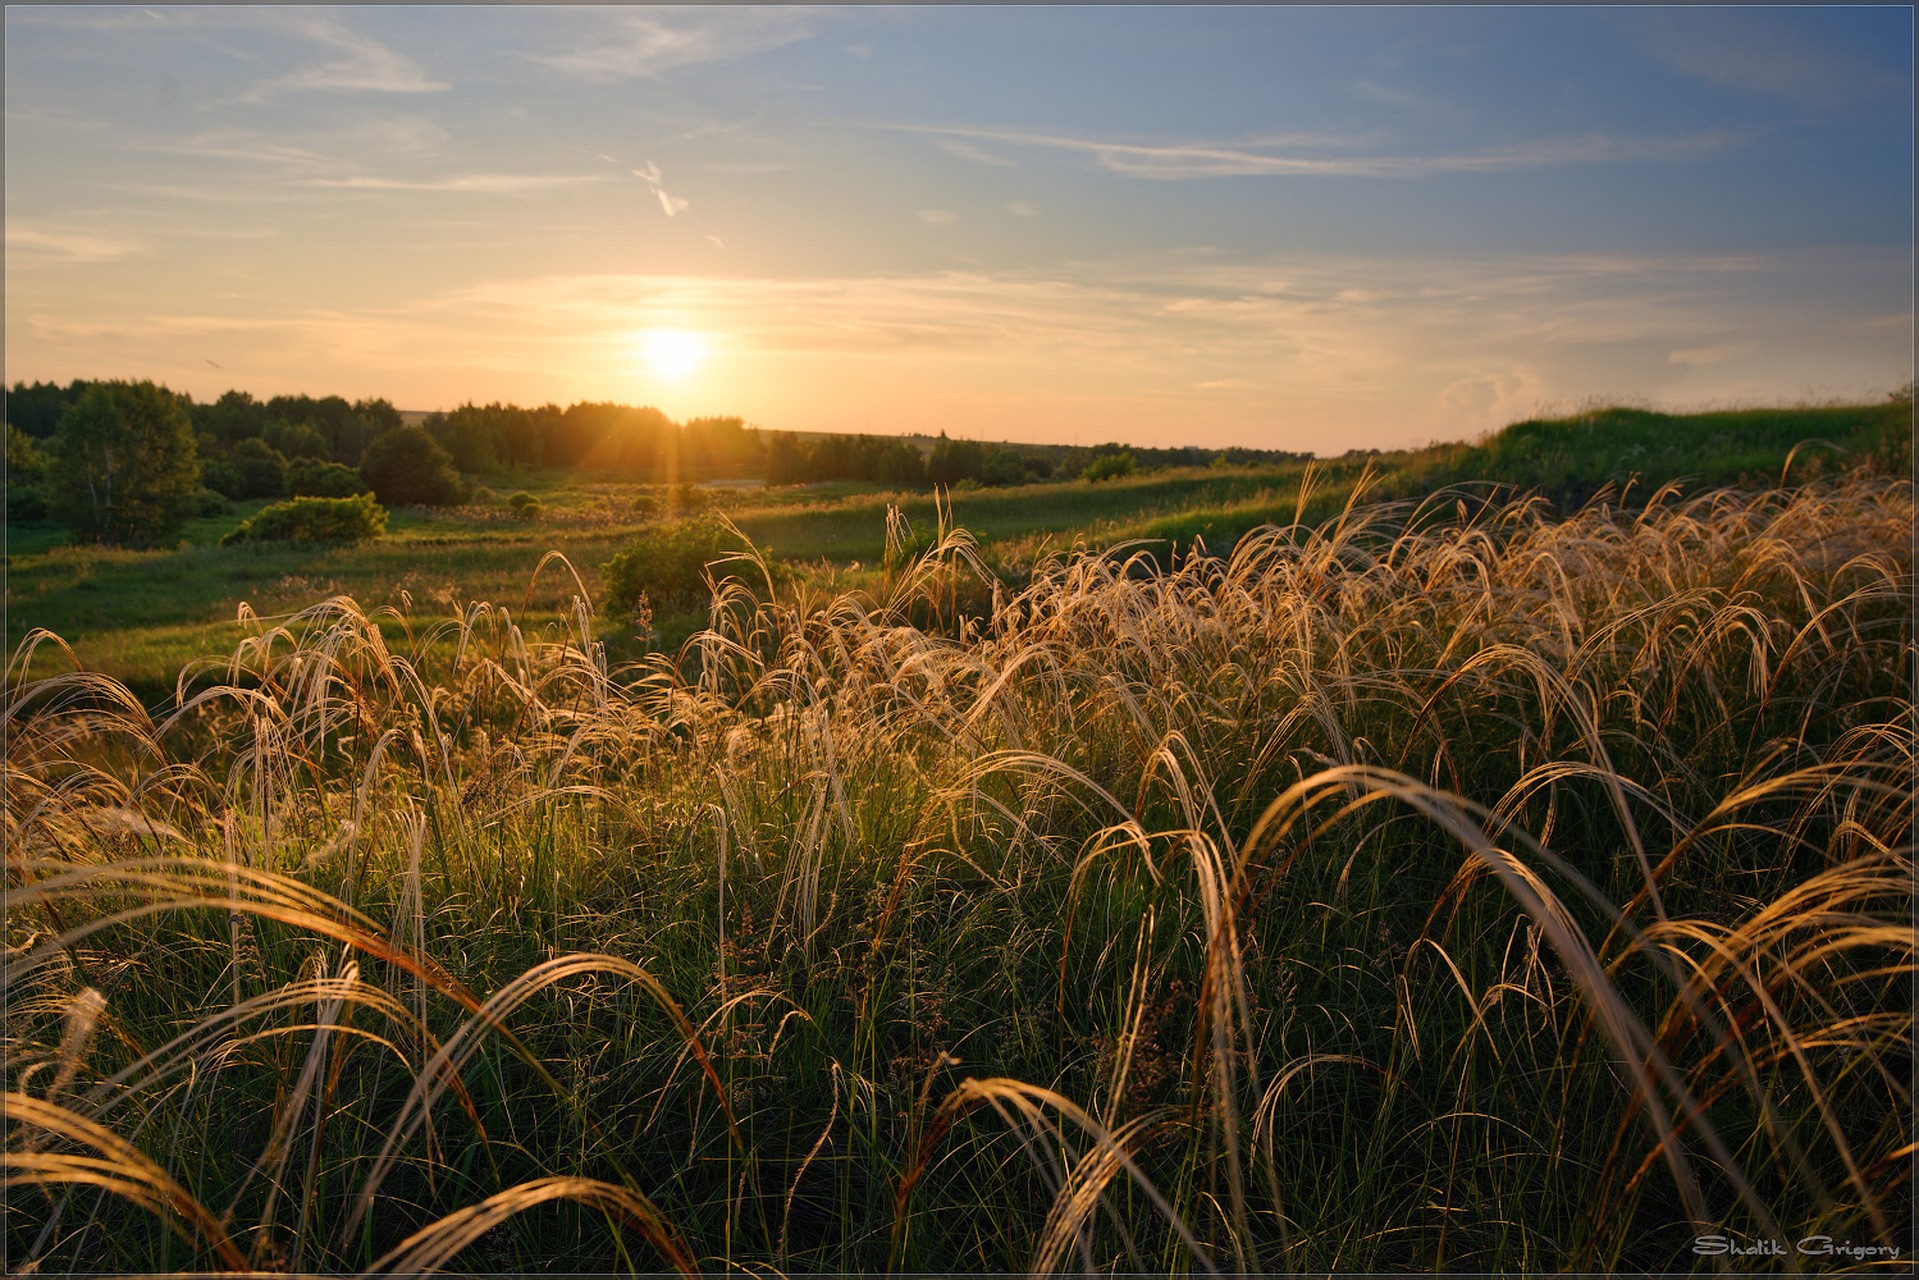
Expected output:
{"points": [[1442, 886]]}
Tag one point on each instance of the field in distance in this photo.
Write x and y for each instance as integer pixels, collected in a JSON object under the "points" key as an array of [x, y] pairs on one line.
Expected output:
{"points": [[142, 616]]}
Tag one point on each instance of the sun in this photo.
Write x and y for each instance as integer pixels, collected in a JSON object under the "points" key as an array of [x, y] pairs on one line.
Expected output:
{"points": [[672, 353]]}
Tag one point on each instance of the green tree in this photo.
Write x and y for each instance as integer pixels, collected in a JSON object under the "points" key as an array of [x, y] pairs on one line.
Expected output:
{"points": [[406, 466], [1109, 466], [310, 477], [27, 465], [234, 417], [255, 469], [124, 464], [955, 460]]}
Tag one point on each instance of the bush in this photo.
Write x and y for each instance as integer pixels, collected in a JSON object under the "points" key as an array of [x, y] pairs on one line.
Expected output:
{"points": [[406, 465], [211, 502], [1109, 466], [666, 565], [525, 505], [313, 478], [333, 520]]}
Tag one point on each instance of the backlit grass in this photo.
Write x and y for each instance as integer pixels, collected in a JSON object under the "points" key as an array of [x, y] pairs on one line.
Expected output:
{"points": [[1443, 886]]}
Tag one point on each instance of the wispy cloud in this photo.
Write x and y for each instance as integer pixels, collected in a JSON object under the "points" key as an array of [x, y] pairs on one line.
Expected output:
{"points": [[41, 114], [349, 145], [937, 217], [1755, 53], [651, 176], [970, 151], [1404, 99], [65, 244], [360, 64], [476, 183], [649, 42], [1284, 156], [655, 181], [357, 64]]}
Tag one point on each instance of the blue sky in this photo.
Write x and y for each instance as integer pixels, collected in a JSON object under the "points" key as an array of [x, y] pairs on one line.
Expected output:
{"points": [[1291, 227]]}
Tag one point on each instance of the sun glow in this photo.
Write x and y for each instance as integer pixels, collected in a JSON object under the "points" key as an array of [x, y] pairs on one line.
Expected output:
{"points": [[672, 353]]}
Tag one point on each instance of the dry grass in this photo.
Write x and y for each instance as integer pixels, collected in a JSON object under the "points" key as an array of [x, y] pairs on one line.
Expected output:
{"points": [[1450, 887]]}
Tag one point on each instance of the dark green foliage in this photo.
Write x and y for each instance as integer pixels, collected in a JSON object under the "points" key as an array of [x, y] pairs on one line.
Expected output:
{"points": [[1003, 467], [377, 415], [333, 420], [884, 459], [328, 520], [296, 439], [1109, 466], [954, 460], [406, 466], [124, 468], [36, 408], [310, 477], [525, 505], [211, 502], [252, 469], [234, 417], [27, 465], [667, 565]]}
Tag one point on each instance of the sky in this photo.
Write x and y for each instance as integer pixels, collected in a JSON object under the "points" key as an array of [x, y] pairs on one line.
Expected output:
{"points": [[1278, 227]]}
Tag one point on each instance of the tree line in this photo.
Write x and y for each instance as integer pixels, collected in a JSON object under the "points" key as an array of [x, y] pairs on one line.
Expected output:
{"points": [[129, 462]]}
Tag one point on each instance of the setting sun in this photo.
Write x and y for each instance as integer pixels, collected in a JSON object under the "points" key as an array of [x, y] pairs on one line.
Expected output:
{"points": [[672, 353]]}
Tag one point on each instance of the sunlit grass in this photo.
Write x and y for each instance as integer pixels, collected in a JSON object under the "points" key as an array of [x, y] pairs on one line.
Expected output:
{"points": [[1425, 886]]}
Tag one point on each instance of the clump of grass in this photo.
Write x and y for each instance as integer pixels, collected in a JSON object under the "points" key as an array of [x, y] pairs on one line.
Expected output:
{"points": [[1440, 885]]}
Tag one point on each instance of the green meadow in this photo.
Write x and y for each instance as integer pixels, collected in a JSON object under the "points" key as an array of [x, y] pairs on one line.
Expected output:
{"points": [[144, 616], [1492, 857]]}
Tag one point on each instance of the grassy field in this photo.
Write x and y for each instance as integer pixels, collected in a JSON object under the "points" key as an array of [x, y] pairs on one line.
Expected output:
{"points": [[144, 616], [1440, 881]]}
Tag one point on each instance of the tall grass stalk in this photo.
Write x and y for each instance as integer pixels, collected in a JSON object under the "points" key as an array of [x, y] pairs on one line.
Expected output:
{"points": [[1445, 884]]}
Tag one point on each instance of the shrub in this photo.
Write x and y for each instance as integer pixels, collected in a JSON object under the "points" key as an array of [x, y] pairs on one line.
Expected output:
{"points": [[334, 520], [1109, 466], [211, 502], [313, 478], [667, 565], [525, 505], [406, 465]]}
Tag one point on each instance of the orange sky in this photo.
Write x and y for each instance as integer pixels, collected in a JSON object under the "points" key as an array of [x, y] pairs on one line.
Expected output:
{"points": [[1290, 228]]}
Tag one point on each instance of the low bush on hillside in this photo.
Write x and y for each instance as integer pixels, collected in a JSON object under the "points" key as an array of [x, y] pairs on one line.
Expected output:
{"points": [[329, 520], [674, 565]]}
